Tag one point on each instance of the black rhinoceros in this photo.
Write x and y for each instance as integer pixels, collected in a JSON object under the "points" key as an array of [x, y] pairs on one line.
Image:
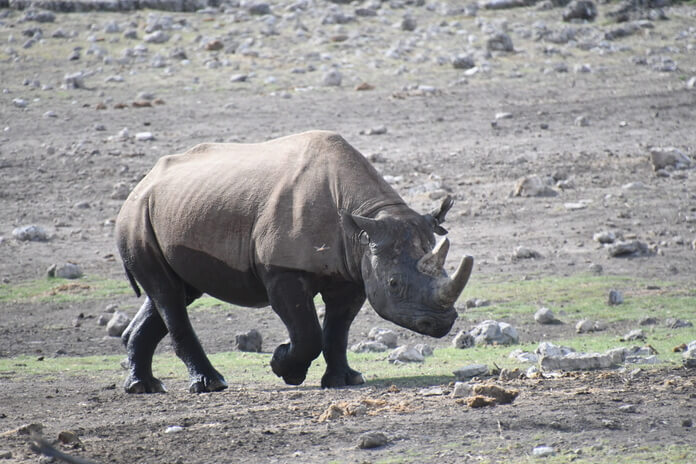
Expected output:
{"points": [[276, 223]]}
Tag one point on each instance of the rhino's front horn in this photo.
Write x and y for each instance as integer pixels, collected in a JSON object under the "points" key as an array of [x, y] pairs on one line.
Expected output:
{"points": [[433, 262], [449, 289]]}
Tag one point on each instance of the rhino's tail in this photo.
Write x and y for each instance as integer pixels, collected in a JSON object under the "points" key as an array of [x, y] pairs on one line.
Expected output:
{"points": [[133, 283]]}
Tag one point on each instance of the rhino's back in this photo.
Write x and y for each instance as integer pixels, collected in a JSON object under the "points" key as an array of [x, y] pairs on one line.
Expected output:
{"points": [[272, 204]]}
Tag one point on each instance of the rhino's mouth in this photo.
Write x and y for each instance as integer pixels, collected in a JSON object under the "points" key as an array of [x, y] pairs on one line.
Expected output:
{"points": [[436, 326]]}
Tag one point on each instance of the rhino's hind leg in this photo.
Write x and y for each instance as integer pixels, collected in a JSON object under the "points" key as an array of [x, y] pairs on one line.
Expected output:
{"points": [[141, 337], [342, 305], [290, 296]]}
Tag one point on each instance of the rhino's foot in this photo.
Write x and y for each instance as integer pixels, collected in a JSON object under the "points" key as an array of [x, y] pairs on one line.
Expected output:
{"points": [[342, 379], [204, 384], [293, 373], [138, 385]]}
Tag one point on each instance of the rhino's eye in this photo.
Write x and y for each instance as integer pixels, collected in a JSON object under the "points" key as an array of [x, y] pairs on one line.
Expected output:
{"points": [[393, 282]]}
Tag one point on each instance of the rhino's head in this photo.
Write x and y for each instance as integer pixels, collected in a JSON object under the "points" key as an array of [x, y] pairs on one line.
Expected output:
{"points": [[403, 269]]}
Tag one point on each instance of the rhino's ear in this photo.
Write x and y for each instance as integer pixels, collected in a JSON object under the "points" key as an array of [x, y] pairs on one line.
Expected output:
{"points": [[354, 225], [437, 216]]}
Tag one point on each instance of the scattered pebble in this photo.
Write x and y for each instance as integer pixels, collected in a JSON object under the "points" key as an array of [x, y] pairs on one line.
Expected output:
{"points": [[545, 316], [251, 341], [372, 440], [118, 323], [468, 372], [30, 233]]}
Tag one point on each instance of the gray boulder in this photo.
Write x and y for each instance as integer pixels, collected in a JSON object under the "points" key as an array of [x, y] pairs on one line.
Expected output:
{"points": [[384, 336], [118, 323], [583, 10], [500, 42], [493, 332], [30, 233], [405, 354]]}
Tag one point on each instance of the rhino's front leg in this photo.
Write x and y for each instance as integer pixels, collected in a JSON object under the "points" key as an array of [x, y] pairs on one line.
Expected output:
{"points": [[291, 297], [342, 305]]}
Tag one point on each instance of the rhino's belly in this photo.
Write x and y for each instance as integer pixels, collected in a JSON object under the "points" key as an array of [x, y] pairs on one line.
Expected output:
{"points": [[210, 275]]}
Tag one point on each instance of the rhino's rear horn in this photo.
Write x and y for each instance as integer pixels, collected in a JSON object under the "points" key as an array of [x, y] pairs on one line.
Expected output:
{"points": [[450, 288], [433, 262]]}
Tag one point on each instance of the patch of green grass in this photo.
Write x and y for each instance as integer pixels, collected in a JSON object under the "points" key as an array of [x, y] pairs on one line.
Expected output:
{"points": [[582, 296], [63, 290]]}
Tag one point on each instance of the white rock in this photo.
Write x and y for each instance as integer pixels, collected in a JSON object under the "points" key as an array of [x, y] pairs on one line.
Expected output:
{"points": [[461, 390], [174, 429], [543, 451], [385, 336], [522, 252], [405, 354], [490, 332], [74, 81], [523, 356], [550, 349], [471, 371], [333, 78], [635, 186], [20, 103], [144, 136], [369, 347], [156, 37], [463, 339], [604, 237], [545, 316], [30, 233], [662, 157], [424, 349]]}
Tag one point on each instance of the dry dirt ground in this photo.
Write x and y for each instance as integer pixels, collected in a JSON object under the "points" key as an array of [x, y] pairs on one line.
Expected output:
{"points": [[59, 171]]}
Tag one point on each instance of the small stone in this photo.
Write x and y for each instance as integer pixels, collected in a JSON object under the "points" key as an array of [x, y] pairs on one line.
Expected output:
{"points": [[636, 334], [74, 81], [5, 454], [102, 320], [259, 9], [120, 191], [596, 269], [144, 136], [424, 349], [157, 37], [494, 333], [463, 62], [67, 271], [238, 78], [174, 429], [112, 27], [408, 23], [628, 248], [118, 323], [332, 78], [372, 440], [533, 186], [583, 10], [615, 297], [677, 323], [543, 451], [545, 316], [525, 253], [628, 408], [461, 390], [249, 342], [369, 347], [405, 354], [604, 237], [463, 340], [503, 115], [500, 42], [70, 438], [585, 326], [30, 234], [582, 121], [385, 336], [20, 103], [663, 157], [214, 45], [471, 371], [687, 423]]}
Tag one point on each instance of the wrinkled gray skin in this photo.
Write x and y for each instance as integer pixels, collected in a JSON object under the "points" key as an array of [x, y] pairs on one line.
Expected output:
{"points": [[276, 223]]}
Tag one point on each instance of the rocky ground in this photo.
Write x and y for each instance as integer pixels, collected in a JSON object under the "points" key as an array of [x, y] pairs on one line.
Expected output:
{"points": [[546, 131]]}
